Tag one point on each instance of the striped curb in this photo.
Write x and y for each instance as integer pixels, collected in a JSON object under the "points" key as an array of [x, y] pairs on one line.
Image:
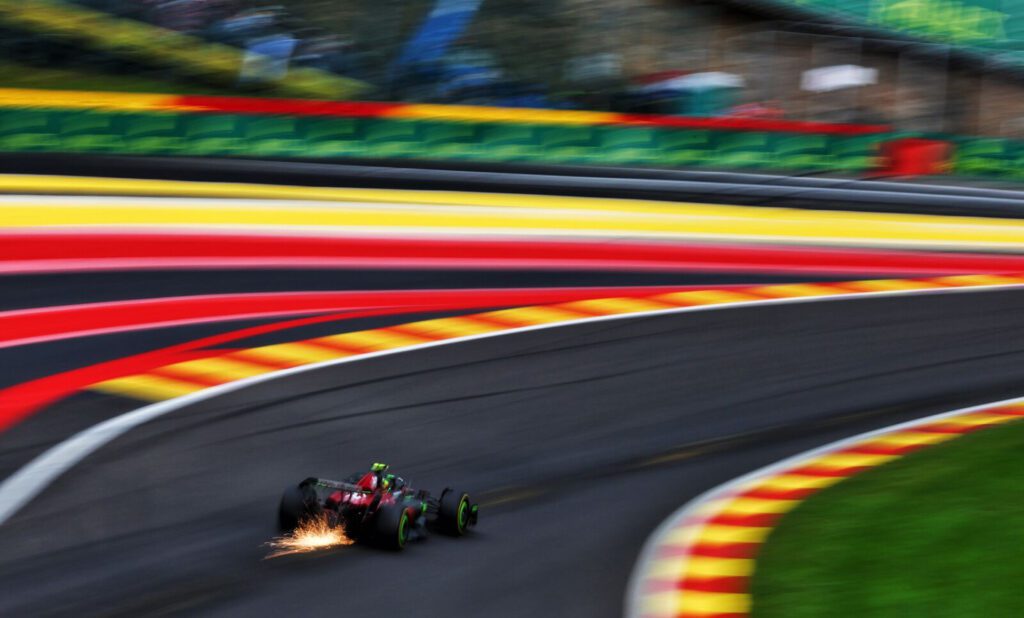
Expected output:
{"points": [[700, 563], [184, 378]]}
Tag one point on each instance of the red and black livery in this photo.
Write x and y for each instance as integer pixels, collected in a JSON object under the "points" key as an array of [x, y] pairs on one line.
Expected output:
{"points": [[377, 507]]}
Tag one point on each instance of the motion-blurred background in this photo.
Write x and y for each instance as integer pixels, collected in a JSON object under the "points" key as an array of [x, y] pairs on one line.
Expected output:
{"points": [[931, 86], [585, 260]]}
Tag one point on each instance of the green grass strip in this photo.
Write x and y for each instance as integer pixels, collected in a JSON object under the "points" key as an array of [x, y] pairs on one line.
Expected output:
{"points": [[937, 533]]}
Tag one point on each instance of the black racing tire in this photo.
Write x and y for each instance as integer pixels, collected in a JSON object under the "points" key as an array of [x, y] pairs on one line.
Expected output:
{"points": [[454, 515], [393, 525], [297, 504]]}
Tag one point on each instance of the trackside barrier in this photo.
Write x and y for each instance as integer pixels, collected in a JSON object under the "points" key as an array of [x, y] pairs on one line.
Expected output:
{"points": [[187, 125], [264, 135]]}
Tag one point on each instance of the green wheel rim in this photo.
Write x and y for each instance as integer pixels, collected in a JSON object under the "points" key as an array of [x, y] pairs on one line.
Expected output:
{"points": [[401, 529], [463, 506]]}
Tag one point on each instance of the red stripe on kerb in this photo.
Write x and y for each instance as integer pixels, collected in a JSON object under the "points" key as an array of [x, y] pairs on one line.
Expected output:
{"points": [[715, 584], [755, 520], [780, 494], [722, 550]]}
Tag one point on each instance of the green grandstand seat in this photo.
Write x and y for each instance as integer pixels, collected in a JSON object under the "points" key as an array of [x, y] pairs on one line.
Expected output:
{"points": [[686, 147], [28, 130], [451, 140], [91, 131], [625, 145], [745, 149], [153, 133], [269, 136], [802, 151], [986, 157], [859, 153], [214, 134], [568, 144], [395, 139], [333, 137], [510, 142]]}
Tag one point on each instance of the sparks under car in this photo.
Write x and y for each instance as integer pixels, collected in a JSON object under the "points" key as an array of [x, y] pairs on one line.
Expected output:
{"points": [[377, 507]]}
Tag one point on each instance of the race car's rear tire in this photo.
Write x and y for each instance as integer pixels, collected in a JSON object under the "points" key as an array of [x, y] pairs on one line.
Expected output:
{"points": [[298, 504], [455, 513], [393, 526]]}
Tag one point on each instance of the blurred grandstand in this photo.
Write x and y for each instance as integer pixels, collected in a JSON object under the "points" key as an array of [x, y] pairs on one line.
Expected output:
{"points": [[686, 57], [846, 87]]}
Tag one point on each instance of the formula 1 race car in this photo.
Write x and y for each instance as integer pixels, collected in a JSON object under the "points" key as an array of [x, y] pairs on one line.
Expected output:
{"points": [[377, 507]]}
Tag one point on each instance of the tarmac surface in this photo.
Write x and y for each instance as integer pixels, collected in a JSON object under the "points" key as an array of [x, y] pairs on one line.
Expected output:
{"points": [[578, 441]]}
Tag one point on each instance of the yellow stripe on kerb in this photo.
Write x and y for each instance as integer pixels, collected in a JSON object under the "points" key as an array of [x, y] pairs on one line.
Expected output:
{"points": [[225, 369], [291, 353], [717, 534], [889, 285], [695, 603], [850, 460], [530, 316], [797, 290], [701, 566], [977, 420], [758, 506], [980, 280], [380, 339], [147, 387], [444, 328], [791, 482], [616, 305], [906, 438], [706, 297]]}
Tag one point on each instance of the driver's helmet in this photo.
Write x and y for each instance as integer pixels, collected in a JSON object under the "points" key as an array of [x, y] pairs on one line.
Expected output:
{"points": [[379, 470]]}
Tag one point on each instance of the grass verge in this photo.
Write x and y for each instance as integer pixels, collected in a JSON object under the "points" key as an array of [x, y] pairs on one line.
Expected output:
{"points": [[937, 533]]}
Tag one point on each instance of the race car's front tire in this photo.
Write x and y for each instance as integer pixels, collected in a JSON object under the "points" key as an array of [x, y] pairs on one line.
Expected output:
{"points": [[393, 526], [297, 505], [456, 513]]}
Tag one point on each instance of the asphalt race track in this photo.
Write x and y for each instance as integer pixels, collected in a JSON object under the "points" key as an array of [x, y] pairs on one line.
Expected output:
{"points": [[577, 440]]}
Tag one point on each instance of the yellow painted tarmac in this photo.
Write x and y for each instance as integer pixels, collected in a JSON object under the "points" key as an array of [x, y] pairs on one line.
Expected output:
{"points": [[374, 211]]}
